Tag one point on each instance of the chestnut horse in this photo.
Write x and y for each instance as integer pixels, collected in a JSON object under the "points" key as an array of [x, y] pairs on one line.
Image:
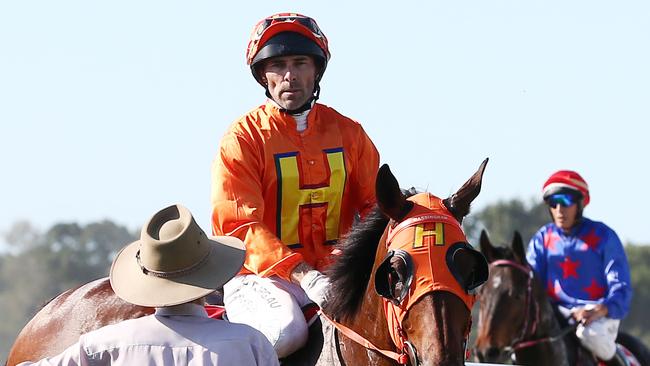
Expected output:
{"points": [[516, 319], [430, 318]]}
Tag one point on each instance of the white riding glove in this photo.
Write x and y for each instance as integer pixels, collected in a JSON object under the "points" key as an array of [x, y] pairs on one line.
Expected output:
{"points": [[316, 286]]}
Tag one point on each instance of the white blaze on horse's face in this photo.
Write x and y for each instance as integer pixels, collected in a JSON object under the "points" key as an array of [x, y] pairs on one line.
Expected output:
{"points": [[496, 282]]}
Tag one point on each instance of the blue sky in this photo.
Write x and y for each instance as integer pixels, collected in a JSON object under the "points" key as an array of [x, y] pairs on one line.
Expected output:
{"points": [[115, 109]]}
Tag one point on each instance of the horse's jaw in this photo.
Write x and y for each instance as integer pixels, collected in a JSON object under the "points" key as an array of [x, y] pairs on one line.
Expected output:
{"points": [[436, 325]]}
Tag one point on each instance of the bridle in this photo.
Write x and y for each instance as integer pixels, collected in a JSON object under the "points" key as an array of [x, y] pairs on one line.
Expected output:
{"points": [[525, 339], [407, 347], [531, 307], [400, 338]]}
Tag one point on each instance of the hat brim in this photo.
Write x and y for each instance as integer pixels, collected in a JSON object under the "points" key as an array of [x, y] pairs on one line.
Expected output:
{"points": [[132, 285]]}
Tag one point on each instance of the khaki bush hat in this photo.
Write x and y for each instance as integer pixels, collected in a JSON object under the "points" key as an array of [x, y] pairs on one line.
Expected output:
{"points": [[174, 261]]}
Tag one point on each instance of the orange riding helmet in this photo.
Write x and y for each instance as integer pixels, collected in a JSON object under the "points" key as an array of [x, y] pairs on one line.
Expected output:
{"points": [[285, 34]]}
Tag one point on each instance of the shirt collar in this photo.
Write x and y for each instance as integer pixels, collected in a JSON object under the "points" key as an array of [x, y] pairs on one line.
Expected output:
{"points": [[574, 231], [182, 309]]}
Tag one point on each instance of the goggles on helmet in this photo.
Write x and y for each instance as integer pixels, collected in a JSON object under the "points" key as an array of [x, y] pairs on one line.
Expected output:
{"points": [[285, 22], [304, 21], [562, 199]]}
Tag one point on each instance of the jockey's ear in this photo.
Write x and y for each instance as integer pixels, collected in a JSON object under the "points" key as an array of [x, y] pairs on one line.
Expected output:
{"points": [[390, 198], [459, 202], [518, 248], [486, 247]]}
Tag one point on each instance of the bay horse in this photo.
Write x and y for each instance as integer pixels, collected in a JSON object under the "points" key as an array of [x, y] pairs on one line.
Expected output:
{"points": [[426, 285], [517, 320]]}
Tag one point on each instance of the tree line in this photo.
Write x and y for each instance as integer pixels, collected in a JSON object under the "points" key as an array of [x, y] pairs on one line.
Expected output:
{"points": [[40, 265]]}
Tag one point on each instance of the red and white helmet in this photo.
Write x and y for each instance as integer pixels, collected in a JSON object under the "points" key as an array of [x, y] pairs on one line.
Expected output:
{"points": [[285, 34], [566, 180]]}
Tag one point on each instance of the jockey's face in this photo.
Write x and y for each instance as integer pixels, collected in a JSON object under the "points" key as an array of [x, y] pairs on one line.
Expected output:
{"points": [[290, 79], [564, 217]]}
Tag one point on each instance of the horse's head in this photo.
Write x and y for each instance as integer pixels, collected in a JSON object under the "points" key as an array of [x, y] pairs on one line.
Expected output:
{"points": [[509, 310], [420, 264], [430, 273]]}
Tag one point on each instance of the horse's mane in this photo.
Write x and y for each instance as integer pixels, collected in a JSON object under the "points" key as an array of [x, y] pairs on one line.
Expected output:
{"points": [[350, 273]]}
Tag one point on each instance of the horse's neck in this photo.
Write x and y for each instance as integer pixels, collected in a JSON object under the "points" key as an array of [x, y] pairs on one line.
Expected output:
{"points": [[370, 323]]}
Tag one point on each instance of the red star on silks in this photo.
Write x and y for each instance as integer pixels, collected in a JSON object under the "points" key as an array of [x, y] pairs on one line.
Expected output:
{"points": [[551, 291], [569, 268], [550, 239], [594, 290], [590, 240]]}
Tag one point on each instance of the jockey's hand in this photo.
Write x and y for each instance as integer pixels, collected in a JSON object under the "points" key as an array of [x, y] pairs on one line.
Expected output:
{"points": [[587, 314], [316, 286]]}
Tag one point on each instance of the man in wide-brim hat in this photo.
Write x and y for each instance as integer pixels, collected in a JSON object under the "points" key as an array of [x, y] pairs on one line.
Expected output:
{"points": [[172, 267]]}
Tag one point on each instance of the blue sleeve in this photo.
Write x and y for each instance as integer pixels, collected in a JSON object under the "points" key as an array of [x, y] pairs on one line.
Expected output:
{"points": [[617, 273], [536, 256]]}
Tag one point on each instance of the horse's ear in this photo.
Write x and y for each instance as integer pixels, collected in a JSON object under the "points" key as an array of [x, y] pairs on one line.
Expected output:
{"points": [[486, 246], [459, 202], [390, 199], [518, 247]]}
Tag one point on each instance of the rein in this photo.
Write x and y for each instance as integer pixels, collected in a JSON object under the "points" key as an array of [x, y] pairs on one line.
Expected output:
{"points": [[531, 307], [401, 358]]}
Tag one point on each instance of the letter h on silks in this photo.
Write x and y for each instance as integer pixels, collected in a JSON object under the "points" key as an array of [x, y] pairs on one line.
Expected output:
{"points": [[293, 196]]}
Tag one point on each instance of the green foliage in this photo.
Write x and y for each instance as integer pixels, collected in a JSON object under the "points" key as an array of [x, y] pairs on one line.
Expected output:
{"points": [[501, 219], [637, 322], [40, 266]]}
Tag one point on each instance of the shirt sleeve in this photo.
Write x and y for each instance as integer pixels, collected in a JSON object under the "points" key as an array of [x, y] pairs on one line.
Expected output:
{"points": [[368, 165], [536, 256], [72, 356], [238, 207], [617, 273]]}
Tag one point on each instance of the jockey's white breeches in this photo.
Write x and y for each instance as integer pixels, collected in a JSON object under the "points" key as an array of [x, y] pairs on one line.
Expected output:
{"points": [[599, 337], [272, 306]]}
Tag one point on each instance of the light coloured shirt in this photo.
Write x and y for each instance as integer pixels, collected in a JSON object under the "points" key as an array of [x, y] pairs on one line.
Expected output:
{"points": [[178, 335], [301, 120]]}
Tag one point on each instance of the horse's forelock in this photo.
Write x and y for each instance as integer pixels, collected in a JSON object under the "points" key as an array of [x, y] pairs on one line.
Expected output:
{"points": [[502, 252], [350, 273]]}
